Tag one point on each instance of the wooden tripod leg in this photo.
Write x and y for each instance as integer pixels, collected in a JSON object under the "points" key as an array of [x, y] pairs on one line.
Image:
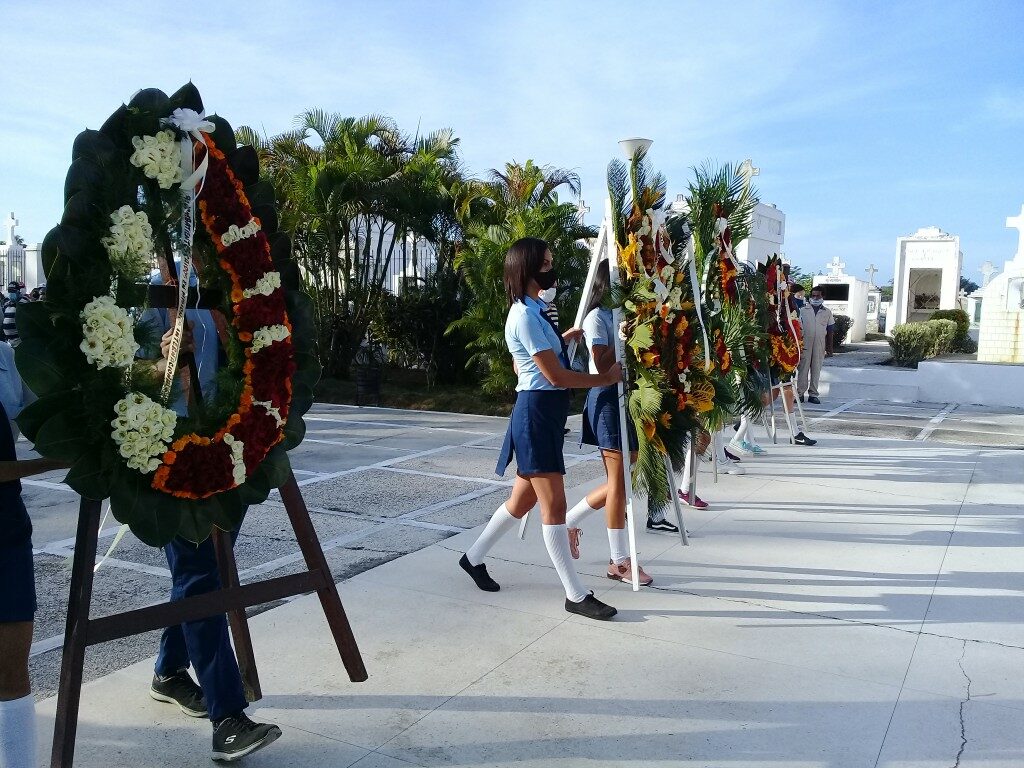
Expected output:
{"points": [[237, 619], [79, 600], [328, 593]]}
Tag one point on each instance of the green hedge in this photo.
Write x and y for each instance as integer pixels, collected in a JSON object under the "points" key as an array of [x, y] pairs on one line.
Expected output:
{"points": [[963, 342], [913, 342], [843, 324]]}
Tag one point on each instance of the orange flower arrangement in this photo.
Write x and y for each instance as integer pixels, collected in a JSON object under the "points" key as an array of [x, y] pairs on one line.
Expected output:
{"points": [[195, 466]]}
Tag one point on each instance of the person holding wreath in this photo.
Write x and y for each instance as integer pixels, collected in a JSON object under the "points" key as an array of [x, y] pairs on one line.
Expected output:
{"points": [[536, 430], [601, 427]]}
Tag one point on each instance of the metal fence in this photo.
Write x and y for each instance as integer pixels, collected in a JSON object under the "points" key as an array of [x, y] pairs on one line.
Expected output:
{"points": [[12, 264]]}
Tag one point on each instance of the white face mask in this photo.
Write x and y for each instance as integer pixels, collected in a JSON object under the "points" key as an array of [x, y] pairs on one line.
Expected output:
{"points": [[549, 295]]}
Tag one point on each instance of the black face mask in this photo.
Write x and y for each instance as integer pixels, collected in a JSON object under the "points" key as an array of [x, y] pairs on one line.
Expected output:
{"points": [[546, 279]]}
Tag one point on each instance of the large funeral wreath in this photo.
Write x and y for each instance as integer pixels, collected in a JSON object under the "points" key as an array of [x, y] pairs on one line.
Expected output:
{"points": [[160, 183]]}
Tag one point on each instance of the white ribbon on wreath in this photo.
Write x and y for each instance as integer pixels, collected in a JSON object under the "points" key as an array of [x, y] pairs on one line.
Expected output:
{"points": [[691, 266], [194, 125]]}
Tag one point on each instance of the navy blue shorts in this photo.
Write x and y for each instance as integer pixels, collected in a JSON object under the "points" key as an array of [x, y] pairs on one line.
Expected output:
{"points": [[536, 433], [601, 420], [18, 593]]}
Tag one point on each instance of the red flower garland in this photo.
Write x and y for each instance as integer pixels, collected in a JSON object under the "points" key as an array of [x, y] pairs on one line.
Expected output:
{"points": [[196, 467]]}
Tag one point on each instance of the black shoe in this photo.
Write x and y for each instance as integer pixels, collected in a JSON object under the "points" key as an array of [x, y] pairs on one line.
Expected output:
{"points": [[179, 689], [590, 607], [802, 439], [803, 398], [661, 525], [813, 399], [730, 456], [479, 575], [236, 736]]}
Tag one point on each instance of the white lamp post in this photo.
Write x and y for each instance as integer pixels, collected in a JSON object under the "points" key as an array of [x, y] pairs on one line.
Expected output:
{"points": [[630, 147]]}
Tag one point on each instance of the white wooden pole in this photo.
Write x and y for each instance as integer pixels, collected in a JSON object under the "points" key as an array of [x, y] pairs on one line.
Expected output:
{"points": [[674, 493], [611, 253]]}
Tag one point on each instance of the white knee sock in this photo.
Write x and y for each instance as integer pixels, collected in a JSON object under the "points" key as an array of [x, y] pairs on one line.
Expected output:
{"points": [[741, 433], [618, 545], [557, 542], [576, 514], [18, 732], [501, 522]]}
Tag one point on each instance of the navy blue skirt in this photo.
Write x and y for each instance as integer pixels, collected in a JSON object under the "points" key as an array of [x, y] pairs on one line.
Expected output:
{"points": [[601, 420], [18, 595], [536, 433]]}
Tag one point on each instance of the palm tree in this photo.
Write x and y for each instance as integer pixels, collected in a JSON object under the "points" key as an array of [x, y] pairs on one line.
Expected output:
{"points": [[520, 201]]}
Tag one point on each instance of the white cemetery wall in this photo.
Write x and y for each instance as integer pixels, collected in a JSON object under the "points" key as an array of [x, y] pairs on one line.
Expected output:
{"points": [[854, 305]]}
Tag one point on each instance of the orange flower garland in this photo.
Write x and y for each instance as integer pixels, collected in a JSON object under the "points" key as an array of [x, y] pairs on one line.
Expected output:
{"points": [[195, 466]]}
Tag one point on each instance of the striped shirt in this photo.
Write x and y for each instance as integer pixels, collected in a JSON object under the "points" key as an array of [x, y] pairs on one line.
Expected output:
{"points": [[10, 327]]}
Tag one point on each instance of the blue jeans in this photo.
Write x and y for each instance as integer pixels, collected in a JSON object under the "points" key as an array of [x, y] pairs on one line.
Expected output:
{"points": [[204, 643]]}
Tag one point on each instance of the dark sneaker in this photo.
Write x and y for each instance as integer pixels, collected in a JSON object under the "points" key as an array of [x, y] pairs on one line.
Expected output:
{"points": [[814, 399], [479, 575], [590, 607], [802, 439], [803, 398], [730, 455], [661, 525], [179, 689], [236, 736]]}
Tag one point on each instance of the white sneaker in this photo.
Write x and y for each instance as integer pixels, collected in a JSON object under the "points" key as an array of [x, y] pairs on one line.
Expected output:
{"points": [[737, 446], [731, 468]]}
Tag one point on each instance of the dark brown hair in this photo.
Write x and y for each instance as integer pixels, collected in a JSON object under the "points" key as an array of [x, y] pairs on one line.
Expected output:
{"points": [[523, 260], [599, 289]]}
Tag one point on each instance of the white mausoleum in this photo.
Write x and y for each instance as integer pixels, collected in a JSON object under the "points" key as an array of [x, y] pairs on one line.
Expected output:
{"points": [[1001, 336], [926, 276]]}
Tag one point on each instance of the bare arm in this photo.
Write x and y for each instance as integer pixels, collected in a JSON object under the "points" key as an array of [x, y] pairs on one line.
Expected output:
{"points": [[604, 357], [553, 371], [15, 470]]}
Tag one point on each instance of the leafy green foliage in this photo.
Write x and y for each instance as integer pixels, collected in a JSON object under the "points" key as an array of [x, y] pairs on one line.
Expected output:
{"points": [[843, 324], [520, 201], [962, 342], [913, 342]]}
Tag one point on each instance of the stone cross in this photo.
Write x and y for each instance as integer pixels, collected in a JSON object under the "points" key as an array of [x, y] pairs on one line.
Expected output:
{"points": [[836, 266], [582, 210], [11, 223], [987, 270], [1017, 222], [871, 270], [748, 171]]}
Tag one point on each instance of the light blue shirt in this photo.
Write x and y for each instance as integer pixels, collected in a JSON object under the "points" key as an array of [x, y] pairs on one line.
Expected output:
{"points": [[13, 393], [204, 336], [526, 334], [598, 328]]}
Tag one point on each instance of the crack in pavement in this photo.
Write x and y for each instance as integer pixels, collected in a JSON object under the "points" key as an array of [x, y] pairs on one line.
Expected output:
{"points": [[963, 703]]}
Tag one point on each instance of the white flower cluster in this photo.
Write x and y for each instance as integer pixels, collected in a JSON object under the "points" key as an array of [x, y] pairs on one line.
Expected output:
{"points": [[108, 339], [267, 335], [269, 408], [265, 286], [130, 242], [236, 233], [142, 430], [159, 157], [237, 460]]}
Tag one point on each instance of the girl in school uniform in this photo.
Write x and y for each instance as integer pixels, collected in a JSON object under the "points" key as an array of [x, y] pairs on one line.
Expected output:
{"points": [[536, 430], [601, 427]]}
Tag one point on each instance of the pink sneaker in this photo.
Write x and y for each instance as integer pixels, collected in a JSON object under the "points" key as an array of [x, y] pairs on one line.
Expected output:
{"points": [[574, 542], [697, 503], [624, 573]]}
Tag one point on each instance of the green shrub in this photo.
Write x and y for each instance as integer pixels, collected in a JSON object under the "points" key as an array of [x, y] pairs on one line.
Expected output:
{"points": [[841, 330], [963, 342], [913, 342], [945, 336]]}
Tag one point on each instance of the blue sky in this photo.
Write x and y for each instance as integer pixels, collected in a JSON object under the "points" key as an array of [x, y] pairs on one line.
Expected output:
{"points": [[867, 120]]}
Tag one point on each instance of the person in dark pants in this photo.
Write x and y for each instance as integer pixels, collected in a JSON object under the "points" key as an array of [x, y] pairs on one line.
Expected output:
{"points": [[204, 644]]}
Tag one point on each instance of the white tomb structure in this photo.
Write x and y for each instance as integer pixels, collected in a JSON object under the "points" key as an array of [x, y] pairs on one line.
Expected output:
{"points": [[767, 226], [17, 262], [1001, 337], [926, 277], [874, 300], [845, 295]]}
